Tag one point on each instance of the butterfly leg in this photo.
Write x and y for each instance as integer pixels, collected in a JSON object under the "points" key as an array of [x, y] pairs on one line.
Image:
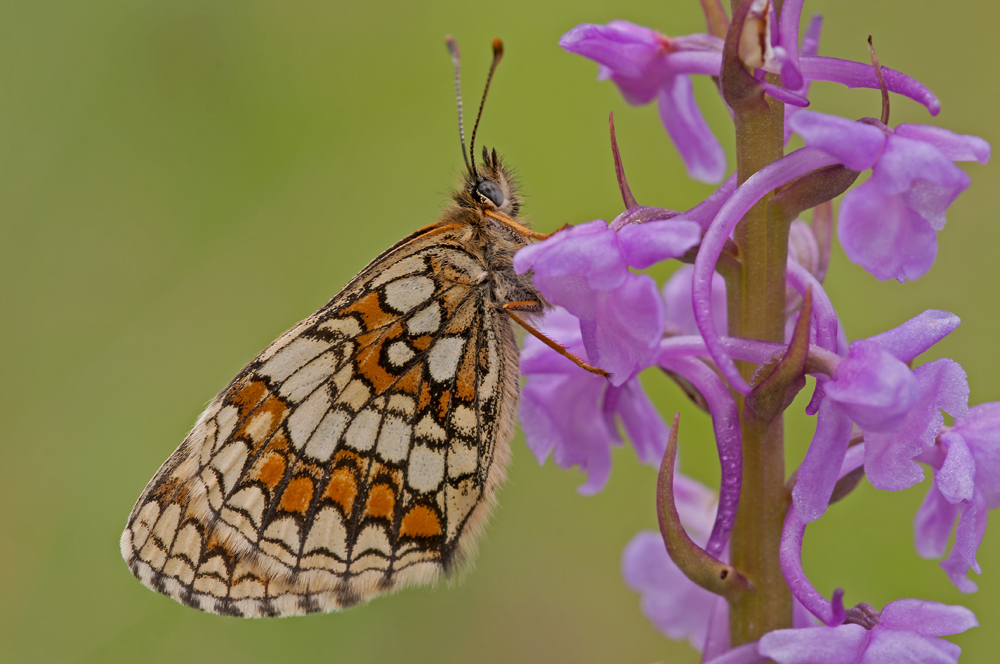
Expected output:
{"points": [[534, 306], [521, 229], [561, 228]]}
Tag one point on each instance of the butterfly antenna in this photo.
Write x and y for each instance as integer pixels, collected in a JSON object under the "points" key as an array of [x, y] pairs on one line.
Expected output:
{"points": [[497, 54], [453, 50]]}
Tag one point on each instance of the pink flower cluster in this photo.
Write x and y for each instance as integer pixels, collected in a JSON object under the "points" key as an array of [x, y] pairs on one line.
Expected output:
{"points": [[878, 408]]}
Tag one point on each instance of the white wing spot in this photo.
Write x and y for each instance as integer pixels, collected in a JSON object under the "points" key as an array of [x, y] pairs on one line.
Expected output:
{"points": [[426, 469], [460, 501], [400, 403], [346, 327], [176, 567], [251, 500], [355, 395], [488, 382], [425, 321], [394, 441], [406, 294], [400, 353], [188, 543], [248, 588], [343, 377], [290, 358], [306, 379], [230, 462], [260, 425], [166, 525], [143, 523], [463, 420], [328, 532], [306, 417], [285, 531], [443, 357], [400, 269], [373, 537], [462, 459], [324, 439], [226, 419], [361, 434], [429, 429]]}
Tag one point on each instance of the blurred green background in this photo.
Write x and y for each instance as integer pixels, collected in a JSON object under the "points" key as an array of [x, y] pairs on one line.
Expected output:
{"points": [[181, 181]]}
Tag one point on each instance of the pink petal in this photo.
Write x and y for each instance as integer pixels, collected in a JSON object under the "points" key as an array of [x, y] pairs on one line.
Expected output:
{"points": [[875, 389], [956, 479], [623, 336], [677, 296], [927, 618], [854, 144], [933, 524], [903, 647], [815, 645], [882, 234], [820, 469], [699, 148], [905, 160], [917, 335], [649, 243], [957, 147]]}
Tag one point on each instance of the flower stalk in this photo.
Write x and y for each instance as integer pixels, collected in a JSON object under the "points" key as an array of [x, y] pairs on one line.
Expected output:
{"points": [[757, 311]]}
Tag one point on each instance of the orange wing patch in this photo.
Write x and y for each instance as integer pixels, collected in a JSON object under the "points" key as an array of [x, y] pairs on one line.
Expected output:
{"points": [[372, 314], [381, 501], [420, 521], [297, 496], [248, 395], [369, 359], [343, 488], [272, 470]]}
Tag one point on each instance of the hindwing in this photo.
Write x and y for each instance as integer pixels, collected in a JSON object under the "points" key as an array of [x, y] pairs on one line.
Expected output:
{"points": [[358, 453]]}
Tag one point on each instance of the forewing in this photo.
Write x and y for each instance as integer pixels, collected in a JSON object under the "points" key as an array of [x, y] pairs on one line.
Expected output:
{"points": [[358, 453]]}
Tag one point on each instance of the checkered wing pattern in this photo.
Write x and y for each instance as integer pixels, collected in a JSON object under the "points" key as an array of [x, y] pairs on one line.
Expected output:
{"points": [[359, 453]]}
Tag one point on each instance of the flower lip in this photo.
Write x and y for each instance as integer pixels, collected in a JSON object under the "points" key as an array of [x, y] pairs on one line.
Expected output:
{"points": [[573, 415], [873, 387], [966, 485]]}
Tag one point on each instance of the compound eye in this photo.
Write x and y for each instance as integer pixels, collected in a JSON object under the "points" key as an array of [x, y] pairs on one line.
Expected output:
{"points": [[490, 190]]}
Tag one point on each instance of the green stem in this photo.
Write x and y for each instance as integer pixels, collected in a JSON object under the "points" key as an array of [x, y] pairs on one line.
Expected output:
{"points": [[757, 311]]}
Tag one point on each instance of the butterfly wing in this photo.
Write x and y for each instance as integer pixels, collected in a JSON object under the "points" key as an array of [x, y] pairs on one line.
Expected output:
{"points": [[358, 453]]}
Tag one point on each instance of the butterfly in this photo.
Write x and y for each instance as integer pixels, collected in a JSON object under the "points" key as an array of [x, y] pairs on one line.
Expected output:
{"points": [[361, 451]]}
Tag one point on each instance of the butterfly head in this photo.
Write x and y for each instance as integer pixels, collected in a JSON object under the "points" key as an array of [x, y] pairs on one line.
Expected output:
{"points": [[491, 187]]}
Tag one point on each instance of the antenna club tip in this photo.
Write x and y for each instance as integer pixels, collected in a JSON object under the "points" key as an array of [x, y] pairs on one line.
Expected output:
{"points": [[451, 44], [497, 48]]}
